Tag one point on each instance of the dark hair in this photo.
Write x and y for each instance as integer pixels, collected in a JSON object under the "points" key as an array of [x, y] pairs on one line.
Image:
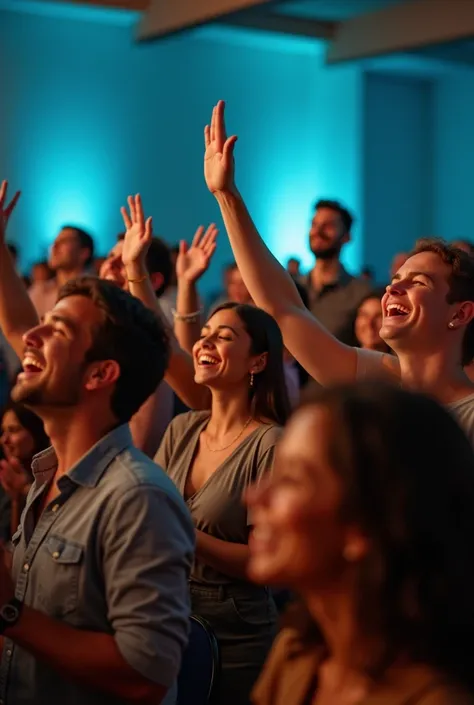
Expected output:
{"points": [[31, 422], [85, 241], [376, 293], [346, 217], [130, 334], [230, 267], [269, 395], [407, 474], [460, 281], [13, 250], [158, 260]]}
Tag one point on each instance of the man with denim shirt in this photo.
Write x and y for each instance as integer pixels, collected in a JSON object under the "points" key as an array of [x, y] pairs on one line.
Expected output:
{"points": [[95, 609]]}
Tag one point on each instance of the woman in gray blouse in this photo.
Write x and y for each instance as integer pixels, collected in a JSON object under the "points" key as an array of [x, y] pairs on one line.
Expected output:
{"points": [[213, 457]]}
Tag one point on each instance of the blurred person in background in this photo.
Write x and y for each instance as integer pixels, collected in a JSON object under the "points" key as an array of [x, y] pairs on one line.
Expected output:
{"points": [[368, 322], [293, 267], [23, 436], [72, 254], [41, 272], [368, 517]]}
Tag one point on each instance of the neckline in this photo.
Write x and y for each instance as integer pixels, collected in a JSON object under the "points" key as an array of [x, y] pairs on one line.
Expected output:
{"points": [[219, 468]]}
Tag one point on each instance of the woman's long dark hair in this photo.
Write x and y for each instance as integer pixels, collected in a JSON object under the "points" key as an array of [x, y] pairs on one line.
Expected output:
{"points": [[269, 395], [407, 471], [31, 422]]}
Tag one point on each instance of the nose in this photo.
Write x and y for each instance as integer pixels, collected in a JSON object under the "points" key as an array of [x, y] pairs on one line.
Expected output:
{"points": [[395, 288], [33, 338]]}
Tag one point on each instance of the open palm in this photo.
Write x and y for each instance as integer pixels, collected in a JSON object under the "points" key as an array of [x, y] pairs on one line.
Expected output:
{"points": [[138, 232], [192, 262], [219, 155], [6, 209]]}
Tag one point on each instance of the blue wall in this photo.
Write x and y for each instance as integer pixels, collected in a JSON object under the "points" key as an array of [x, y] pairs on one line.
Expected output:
{"points": [[89, 116], [454, 154], [398, 167]]}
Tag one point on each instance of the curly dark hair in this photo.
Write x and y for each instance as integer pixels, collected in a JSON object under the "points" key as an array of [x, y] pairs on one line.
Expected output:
{"points": [[269, 393], [132, 335], [407, 474]]}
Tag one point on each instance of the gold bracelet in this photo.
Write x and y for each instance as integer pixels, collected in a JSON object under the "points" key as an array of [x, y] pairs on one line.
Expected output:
{"points": [[140, 280]]}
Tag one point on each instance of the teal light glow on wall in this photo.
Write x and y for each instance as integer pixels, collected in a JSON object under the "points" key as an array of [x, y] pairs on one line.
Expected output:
{"points": [[92, 116]]}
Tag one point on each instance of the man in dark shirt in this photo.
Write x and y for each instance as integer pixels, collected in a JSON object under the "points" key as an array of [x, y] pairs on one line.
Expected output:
{"points": [[334, 295]]}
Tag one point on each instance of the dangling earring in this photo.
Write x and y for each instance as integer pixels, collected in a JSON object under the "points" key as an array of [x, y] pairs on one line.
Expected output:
{"points": [[251, 379]]}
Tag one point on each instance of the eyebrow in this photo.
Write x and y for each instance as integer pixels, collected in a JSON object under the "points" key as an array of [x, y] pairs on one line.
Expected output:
{"points": [[410, 275], [206, 325], [57, 318]]}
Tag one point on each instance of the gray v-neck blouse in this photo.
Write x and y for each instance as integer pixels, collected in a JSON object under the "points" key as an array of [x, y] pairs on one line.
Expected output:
{"points": [[217, 508]]}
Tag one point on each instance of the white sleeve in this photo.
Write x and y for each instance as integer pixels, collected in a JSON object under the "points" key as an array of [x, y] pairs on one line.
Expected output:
{"points": [[369, 364]]}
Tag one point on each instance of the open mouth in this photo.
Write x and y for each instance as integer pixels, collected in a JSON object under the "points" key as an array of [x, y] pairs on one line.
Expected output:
{"points": [[397, 310], [208, 360], [31, 365]]}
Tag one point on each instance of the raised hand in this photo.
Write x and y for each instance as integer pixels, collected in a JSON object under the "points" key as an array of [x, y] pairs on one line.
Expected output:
{"points": [[219, 155], [6, 209], [192, 262], [138, 232]]}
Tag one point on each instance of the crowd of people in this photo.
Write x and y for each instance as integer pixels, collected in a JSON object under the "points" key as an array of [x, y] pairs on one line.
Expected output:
{"points": [[293, 463]]}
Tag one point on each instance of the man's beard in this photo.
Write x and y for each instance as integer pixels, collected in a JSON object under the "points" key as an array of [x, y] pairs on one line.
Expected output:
{"points": [[35, 397], [328, 252]]}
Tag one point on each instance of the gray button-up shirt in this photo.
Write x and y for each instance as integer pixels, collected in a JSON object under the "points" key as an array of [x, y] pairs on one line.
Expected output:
{"points": [[111, 554]]}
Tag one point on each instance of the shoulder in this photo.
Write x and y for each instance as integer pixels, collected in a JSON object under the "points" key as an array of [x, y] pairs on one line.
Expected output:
{"points": [[376, 364], [268, 436], [446, 694], [134, 477], [288, 671], [187, 422]]}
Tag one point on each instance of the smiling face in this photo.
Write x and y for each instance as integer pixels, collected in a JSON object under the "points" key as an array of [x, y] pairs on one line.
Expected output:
{"points": [[415, 307], [222, 355], [67, 252], [298, 538], [368, 324], [54, 360], [17, 441], [327, 234], [113, 268]]}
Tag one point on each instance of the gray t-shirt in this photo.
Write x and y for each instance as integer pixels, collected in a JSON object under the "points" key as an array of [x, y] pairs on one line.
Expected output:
{"points": [[217, 508], [371, 364]]}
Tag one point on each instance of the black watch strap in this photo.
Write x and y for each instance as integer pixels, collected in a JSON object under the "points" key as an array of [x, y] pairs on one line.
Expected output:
{"points": [[10, 614]]}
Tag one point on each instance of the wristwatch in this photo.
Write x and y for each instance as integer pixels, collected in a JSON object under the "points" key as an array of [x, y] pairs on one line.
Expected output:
{"points": [[10, 614]]}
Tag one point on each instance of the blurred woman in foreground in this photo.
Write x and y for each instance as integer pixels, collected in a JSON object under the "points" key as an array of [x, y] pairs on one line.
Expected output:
{"points": [[369, 517]]}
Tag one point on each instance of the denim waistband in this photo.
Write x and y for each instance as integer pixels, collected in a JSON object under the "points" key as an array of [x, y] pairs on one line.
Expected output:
{"points": [[222, 592]]}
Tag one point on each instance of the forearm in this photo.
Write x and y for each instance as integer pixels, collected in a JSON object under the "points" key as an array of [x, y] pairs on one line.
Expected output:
{"points": [[229, 558], [17, 313], [180, 372], [187, 303], [270, 286], [151, 420], [90, 658]]}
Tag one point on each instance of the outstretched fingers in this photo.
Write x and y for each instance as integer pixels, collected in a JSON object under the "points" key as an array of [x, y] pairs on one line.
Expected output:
{"points": [[197, 236], [126, 218]]}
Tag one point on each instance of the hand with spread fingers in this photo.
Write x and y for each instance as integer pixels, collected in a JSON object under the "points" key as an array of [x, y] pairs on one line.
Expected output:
{"points": [[139, 232], [219, 155], [6, 209], [193, 261]]}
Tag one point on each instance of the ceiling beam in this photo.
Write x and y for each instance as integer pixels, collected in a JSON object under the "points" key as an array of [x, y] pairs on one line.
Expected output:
{"points": [[166, 17], [403, 27], [282, 24]]}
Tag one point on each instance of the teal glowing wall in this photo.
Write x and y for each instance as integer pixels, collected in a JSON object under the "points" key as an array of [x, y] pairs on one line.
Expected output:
{"points": [[89, 116]]}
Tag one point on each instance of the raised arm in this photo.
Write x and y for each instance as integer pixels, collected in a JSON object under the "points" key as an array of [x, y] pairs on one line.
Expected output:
{"points": [[271, 287], [191, 264], [138, 236], [17, 313]]}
